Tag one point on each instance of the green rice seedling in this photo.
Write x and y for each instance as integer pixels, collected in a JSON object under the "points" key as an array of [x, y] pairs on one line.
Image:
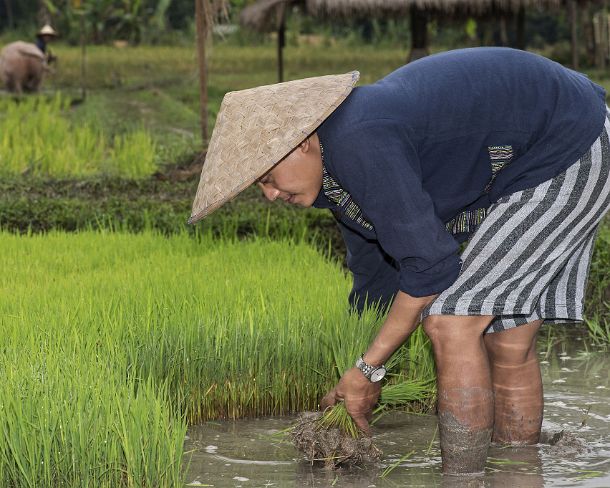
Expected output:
{"points": [[393, 466], [112, 343], [70, 417], [37, 138], [334, 438], [132, 155], [337, 417], [401, 394], [323, 436], [404, 393], [597, 304], [599, 328]]}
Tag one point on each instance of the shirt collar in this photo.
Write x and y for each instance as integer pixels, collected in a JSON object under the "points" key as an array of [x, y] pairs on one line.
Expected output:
{"points": [[322, 200]]}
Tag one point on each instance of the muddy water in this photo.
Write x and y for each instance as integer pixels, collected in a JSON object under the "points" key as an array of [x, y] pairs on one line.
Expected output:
{"points": [[250, 453]]}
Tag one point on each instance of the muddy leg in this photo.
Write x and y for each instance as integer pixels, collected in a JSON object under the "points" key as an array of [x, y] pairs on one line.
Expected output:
{"points": [[517, 384], [465, 397]]}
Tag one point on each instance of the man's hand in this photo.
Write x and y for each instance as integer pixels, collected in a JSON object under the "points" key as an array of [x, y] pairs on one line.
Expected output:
{"points": [[359, 396]]}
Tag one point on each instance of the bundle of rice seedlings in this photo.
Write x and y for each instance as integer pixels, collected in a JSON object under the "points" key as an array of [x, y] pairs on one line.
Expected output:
{"points": [[332, 437]]}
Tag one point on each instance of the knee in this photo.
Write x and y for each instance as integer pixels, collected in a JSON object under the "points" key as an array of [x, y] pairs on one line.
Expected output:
{"points": [[511, 353], [454, 332], [438, 329], [513, 347]]}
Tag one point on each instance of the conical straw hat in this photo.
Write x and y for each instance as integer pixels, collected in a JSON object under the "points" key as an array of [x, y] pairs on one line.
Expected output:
{"points": [[256, 128], [47, 30]]}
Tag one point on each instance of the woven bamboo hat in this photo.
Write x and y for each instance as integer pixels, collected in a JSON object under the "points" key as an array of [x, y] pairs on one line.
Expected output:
{"points": [[256, 128], [47, 30]]}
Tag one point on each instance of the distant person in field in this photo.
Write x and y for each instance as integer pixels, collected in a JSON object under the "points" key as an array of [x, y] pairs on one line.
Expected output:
{"points": [[500, 150], [44, 36], [23, 65]]}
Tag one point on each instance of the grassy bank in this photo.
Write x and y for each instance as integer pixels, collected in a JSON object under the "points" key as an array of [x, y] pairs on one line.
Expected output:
{"points": [[113, 342], [161, 203]]}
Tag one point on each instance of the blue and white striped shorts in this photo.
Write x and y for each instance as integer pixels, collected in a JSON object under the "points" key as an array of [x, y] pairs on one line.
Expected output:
{"points": [[530, 257]]}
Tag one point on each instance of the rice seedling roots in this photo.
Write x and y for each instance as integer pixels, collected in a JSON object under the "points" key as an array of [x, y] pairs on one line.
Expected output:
{"points": [[331, 446]]}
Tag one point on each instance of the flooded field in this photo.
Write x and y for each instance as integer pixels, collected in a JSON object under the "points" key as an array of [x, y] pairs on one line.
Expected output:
{"points": [[575, 452]]}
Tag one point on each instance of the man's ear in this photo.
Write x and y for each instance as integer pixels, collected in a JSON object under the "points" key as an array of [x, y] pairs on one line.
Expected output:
{"points": [[305, 145]]}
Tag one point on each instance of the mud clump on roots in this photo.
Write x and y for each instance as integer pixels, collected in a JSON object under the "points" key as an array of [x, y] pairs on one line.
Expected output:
{"points": [[331, 446], [562, 443]]}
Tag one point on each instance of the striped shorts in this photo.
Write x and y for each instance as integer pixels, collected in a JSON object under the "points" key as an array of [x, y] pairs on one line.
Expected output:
{"points": [[530, 257]]}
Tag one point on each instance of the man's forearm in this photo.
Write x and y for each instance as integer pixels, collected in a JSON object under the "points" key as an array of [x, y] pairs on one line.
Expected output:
{"points": [[401, 321]]}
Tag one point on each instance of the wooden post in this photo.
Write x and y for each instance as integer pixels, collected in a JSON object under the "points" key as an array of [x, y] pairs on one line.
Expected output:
{"points": [[83, 61], [521, 28], [574, 32], [607, 22], [597, 39], [503, 30], [202, 30], [419, 33], [77, 4], [281, 40]]}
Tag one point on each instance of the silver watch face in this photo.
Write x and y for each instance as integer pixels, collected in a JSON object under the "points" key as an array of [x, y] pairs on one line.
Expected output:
{"points": [[378, 374]]}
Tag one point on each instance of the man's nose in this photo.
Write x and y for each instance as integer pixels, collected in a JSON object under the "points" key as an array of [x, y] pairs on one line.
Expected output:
{"points": [[270, 193]]}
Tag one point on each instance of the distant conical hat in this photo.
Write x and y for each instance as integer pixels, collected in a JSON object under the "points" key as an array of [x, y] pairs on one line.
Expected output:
{"points": [[256, 128], [47, 30]]}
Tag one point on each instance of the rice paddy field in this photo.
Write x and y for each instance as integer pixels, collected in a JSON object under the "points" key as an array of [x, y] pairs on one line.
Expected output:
{"points": [[38, 139], [123, 328], [113, 343]]}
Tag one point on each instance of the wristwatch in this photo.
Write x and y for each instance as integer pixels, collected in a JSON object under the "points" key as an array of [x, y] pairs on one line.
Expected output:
{"points": [[372, 373]]}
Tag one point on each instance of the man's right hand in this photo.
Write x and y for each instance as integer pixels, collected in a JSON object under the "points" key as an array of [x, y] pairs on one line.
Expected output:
{"points": [[359, 395]]}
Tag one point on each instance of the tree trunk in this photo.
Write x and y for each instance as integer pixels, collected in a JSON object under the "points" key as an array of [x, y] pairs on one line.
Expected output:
{"points": [[574, 32], [606, 33], [202, 30], [43, 14], [9, 14], [600, 31], [588, 30], [419, 34]]}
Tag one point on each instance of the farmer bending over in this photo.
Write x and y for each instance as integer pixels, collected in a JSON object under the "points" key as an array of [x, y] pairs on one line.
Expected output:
{"points": [[43, 38], [500, 148]]}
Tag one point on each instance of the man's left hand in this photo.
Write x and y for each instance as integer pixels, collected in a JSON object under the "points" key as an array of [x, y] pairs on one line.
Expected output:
{"points": [[359, 395]]}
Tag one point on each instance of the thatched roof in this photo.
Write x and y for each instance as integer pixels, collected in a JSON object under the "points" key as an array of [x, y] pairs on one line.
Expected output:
{"points": [[264, 15], [351, 8]]}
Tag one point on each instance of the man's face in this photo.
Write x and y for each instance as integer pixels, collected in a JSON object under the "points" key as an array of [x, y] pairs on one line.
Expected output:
{"points": [[297, 179]]}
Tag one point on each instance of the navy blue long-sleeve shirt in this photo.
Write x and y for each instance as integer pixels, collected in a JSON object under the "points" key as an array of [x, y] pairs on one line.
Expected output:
{"points": [[415, 159], [40, 44]]}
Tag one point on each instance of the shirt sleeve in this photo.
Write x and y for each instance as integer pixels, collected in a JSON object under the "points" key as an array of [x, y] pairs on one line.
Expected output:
{"points": [[377, 164], [374, 272]]}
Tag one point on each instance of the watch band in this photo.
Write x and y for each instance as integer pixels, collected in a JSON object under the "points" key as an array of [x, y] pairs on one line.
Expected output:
{"points": [[367, 369]]}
